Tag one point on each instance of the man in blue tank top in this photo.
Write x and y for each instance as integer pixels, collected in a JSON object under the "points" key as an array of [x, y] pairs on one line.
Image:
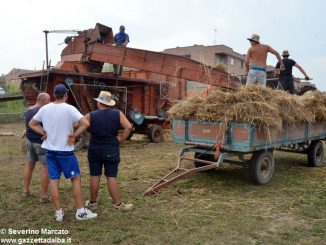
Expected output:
{"points": [[35, 152], [104, 149]]}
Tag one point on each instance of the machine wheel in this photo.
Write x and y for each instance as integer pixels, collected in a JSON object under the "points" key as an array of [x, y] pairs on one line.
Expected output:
{"points": [[201, 156], [130, 135], [316, 154], [155, 133], [82, 141], [261, 167]]}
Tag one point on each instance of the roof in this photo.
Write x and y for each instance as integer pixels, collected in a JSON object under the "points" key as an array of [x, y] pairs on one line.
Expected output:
{"points": [[217, 49]]}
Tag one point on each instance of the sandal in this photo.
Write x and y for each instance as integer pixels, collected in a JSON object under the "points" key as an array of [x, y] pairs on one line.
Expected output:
{"points": [[25, 193], [44, 199]]}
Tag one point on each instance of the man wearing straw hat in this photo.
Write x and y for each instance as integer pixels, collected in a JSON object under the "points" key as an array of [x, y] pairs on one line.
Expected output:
{"points": [[286, 78], [104, 148], [256, 61]]}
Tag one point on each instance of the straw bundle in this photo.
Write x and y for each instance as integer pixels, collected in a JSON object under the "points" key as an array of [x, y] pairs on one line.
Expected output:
{"points": [[186, 109], [263, 107], [315, 102]]}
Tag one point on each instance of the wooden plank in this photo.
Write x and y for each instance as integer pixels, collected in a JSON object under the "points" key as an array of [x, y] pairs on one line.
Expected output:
{"points": [[11, 98], [167, 64]]}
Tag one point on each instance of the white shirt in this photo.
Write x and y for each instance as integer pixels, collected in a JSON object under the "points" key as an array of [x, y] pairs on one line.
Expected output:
{"points": [[58, 121]]}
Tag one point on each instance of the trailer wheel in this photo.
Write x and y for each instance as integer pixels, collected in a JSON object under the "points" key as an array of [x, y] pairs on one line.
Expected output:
{"points": [[316, 154], [82, 142], [201, 156], [155, 133], [130, 135], [261, 167]]}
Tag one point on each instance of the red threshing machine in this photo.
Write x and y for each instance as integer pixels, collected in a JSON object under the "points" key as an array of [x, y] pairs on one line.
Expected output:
{"points": [[151, 85]]}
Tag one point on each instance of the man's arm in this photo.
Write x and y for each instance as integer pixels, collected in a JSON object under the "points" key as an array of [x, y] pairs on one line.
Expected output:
{"points": [[247, 60], [278, 56], [83, 126], [36, 126], [277, 73], [302, 71], [126, 127]]}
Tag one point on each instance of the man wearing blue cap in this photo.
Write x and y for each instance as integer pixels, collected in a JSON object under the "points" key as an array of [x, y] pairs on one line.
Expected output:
{"points": [[59, 137], [120, 39]]}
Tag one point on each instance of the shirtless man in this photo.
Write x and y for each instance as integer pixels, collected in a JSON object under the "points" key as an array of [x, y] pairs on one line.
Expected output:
{"points": [[257, 55]]}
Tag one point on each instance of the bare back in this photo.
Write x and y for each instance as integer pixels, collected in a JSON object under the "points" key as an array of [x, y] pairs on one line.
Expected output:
{"points": [[257, 54]]}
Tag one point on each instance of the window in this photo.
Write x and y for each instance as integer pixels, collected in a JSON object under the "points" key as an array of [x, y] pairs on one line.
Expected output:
{"points": [[221, 59], [241, 64], [232, 61]]}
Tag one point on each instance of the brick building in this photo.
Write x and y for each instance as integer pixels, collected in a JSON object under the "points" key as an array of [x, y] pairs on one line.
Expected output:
{"points": [[216, 55], [213, 56], [12, 77]]}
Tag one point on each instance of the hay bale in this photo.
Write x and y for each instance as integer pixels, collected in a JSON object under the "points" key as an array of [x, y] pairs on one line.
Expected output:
{"points": [[221, 67], [315, 102], [291, 108], [264, 107], [186, 109]]}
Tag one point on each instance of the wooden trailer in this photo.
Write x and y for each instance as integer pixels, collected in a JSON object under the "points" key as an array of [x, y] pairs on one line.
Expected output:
{"points": [[214, 143]]}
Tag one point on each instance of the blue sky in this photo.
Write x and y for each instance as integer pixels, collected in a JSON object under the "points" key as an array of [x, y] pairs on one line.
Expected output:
{"points": [[298, 26]]}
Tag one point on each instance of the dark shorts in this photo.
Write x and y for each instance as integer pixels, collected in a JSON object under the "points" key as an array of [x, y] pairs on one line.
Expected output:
{"points": [[287, 84], [62, 161], [35, 152], [96, 160]]}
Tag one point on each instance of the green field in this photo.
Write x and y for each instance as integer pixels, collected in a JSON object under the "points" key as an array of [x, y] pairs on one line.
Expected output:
{"points": [[17, 106], [220, 207]]}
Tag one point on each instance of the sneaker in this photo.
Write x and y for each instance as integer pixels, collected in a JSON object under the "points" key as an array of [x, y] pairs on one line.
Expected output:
{"points": [[59, 215], [86, 214], [91, 206], [124, 207], [44, 199]]}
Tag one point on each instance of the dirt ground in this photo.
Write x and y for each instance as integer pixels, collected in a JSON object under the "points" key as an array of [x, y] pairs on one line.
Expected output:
{"points": [[220, 207]]}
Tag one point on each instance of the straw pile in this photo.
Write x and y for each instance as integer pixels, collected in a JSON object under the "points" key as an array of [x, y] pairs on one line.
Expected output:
{"points": [[263, 107]]}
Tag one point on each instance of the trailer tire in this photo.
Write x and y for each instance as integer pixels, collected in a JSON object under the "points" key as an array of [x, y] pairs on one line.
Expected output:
{"points": [[315, 154], [130, 135], [82, 142], [202, 156], [261, 167], [155, 133]]}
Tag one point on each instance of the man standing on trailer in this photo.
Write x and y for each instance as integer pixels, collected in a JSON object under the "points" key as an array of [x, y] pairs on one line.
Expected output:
{"points": [[286, 77], [256, 61]]}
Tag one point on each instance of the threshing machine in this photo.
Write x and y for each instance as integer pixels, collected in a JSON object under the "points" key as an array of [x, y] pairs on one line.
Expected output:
{"points": [[145, 91]]}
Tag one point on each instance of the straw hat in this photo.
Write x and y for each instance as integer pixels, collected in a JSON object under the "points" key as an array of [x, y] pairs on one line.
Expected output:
{"points": [[105, 98], [254, 37], [285, 53]]}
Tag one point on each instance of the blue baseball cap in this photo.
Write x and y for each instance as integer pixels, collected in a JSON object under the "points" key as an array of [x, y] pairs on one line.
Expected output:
{"points": [[60, 89], [122, 27]]}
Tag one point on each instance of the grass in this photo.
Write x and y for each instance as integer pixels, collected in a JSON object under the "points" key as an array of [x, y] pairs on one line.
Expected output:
{"points": [[221, 207], [17, 106]]}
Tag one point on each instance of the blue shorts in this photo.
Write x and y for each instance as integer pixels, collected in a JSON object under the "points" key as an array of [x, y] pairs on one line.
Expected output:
{"points": [[256, 75], [99, 158], [62, 161]]}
